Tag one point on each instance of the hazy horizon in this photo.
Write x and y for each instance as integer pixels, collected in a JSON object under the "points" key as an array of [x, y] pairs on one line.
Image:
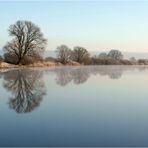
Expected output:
{"points": [[95, 25], [126, 55]]}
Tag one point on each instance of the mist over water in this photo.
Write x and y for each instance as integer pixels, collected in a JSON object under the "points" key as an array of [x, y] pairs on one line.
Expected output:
{"points": [[74, 106]]}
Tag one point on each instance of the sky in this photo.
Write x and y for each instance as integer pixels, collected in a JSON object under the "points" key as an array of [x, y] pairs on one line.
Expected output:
{"points": [[96, 25]]}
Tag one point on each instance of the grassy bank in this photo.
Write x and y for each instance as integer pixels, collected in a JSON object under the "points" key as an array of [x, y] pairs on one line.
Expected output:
{"points": [[93, 61], [39, 64]]}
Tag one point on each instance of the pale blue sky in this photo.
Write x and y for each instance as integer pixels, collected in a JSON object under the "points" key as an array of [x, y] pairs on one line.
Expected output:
{"points": [[96, 25]]}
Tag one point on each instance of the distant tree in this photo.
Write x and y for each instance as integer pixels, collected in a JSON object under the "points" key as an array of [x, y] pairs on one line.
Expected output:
{"points": [[115, 54], [63, 53], [133, 59], [28, 41], [51, 59], [103, 55], [80, 54]]}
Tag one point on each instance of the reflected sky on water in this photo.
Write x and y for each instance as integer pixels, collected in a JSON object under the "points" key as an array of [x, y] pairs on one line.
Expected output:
{"points": [[74, 106]]}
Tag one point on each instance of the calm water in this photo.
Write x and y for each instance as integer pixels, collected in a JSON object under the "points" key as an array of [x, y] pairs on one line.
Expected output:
{"points": [[74, 106]]}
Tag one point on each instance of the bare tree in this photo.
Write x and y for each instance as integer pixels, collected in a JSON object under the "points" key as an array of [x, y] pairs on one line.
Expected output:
{"points": [[80, 54], [133, 59], [103, 55], [28, 41], [63, 53], [115, 54]]}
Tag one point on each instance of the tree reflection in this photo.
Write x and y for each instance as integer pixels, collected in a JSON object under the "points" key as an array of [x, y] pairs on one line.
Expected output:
{"points": [[27, 88], [79, 75], [63, 76], [66, 75], [113, 72]]}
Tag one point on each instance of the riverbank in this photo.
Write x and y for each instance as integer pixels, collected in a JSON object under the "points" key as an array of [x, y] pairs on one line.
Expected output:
{"points": [[52, 63], [39, 64]]}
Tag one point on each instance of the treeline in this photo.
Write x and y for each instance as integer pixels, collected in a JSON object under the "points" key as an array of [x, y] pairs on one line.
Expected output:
{"points": [[82, 56], [28, 45], [78, 54]]}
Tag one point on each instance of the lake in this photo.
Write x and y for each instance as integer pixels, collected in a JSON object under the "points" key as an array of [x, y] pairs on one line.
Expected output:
{"points": [[74, 106]]}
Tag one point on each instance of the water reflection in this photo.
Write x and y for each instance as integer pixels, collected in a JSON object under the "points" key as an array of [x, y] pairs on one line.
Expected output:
{"points": [[66, 75], [80, 75], [27, 88], [112, 114]]}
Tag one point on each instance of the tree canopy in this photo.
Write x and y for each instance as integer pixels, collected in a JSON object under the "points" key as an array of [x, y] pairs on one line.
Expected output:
{"points": [[115, 54], [63, 53], [80, 54], [28, 41]]}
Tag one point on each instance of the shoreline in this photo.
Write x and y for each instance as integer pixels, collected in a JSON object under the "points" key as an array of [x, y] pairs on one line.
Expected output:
{"points": [[4, 65], [44, 64]]}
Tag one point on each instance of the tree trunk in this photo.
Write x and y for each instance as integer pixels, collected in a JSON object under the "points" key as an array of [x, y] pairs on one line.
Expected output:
{"points": [[19, 61]]}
